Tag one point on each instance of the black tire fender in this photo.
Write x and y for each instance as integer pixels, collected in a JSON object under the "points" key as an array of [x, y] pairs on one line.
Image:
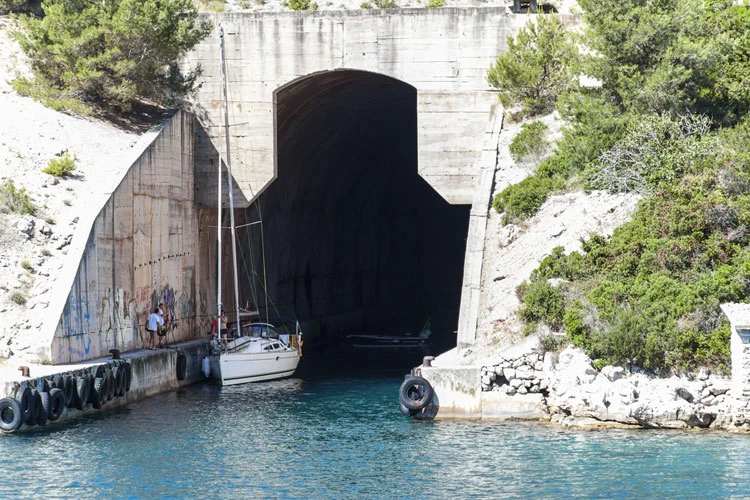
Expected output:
{"points": [[100, 387], [40, 412], [118, 378], [129, 376], [43, 414], [83, 390], [181, 366], [11, 415], [70, 390], [56, 404], [415, 393], [26, 400]]}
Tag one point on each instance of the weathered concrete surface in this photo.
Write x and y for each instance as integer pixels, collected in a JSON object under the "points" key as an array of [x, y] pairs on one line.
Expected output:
{"points": [[443, 53], [471, 289], [141, 249]]}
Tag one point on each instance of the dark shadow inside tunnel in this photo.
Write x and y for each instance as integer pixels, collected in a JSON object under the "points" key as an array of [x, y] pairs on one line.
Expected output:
{"points": [[355, 240]]}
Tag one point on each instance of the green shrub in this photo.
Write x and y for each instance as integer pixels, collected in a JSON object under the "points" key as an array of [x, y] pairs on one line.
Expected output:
{"points": [[434, 3], [541, 302], [528, 141], [18, 298], [112, 55], [301, 4], [576, 328], [536, 67], [523, 199], [365, 5], [26, 265], [62, 166], [16, 200], [385, 4]]}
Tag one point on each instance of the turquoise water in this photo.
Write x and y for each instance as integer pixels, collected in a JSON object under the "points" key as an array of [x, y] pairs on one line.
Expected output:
{"points": [[343, 437]]}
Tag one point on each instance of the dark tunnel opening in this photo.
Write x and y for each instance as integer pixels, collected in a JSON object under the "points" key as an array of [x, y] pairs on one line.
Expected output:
{"points": [[355, 240]]}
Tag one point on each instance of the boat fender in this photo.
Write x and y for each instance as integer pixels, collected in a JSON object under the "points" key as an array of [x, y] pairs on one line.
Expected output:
{"points": [[82, 392], [56, 403], [43, 416], [181, 366], [406, 411], [40, 412], [415, 393], [206, 366], [128, 376], [25, 399], [11, 416]]}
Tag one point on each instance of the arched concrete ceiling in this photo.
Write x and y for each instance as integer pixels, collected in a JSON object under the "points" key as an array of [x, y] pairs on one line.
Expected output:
{"points": [[355, 239]]}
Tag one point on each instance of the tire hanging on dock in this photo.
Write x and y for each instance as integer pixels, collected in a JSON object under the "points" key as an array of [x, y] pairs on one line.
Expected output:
{"points": [[83, 390], [181, 366], [56, 404], [40, 412], [415, 393], [11, 415], [25, 399], [128, 376], [70, 391]]}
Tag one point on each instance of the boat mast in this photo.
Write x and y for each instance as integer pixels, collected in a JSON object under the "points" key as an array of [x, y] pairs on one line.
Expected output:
{"points": [[229, 183]]}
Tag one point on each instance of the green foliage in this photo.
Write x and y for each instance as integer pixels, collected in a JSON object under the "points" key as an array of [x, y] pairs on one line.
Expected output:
{"points": [[434, 3], [365, 5], [61, 166], [542, 302], [385, 4], [111, 54], [16, 200], [26, 265], [529, 140], [656, 150], [16, 6], [301, 4], [18, 298], [522, 199], [536, 67]]}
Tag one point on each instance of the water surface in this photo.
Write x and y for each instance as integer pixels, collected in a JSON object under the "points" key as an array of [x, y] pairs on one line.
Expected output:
{"points": [[343, 437]]}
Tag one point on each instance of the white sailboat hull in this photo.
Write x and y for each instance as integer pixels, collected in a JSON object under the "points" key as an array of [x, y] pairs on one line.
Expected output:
{"points": [[242, 367]]}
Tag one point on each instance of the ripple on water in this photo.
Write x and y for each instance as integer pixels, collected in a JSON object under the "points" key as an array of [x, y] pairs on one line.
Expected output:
{"points": [[345, 438]]}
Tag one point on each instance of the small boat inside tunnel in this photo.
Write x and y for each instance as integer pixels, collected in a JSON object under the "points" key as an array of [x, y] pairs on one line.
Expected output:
{"points": [[356, 242]]}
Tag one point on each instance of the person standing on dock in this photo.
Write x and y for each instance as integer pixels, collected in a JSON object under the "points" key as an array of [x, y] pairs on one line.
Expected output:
{"points": [[155, 322]]}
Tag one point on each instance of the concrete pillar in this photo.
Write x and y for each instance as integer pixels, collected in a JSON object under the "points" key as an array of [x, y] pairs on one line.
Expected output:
{"points": [[739, 317], [471, 290]]}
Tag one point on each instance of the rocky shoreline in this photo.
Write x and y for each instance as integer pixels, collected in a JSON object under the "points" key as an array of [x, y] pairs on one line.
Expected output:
{"points": [[574, 394]]}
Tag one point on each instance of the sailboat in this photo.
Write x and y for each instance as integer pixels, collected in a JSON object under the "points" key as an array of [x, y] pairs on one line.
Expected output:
{"points": [[259, 352]]}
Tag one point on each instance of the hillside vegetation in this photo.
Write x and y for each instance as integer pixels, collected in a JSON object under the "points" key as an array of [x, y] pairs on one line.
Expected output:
{"points": [[667, 119], [105, 57]]}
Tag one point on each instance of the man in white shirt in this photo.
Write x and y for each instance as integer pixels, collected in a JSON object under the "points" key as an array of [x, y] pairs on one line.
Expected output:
{"points": [[155, 321]]}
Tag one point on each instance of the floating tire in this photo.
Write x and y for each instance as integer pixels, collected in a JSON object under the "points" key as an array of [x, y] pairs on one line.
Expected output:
{"points": [[59, 382], [181, 366], [25, 398], [406, 411], [11, 415], [70, 390], [56, 403], [415, 393]]}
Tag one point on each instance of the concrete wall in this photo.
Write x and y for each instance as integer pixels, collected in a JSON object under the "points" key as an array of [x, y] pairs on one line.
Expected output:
{"points": [[141, 249], [443, 53]]}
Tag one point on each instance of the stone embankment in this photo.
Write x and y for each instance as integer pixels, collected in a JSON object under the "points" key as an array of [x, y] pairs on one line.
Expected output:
{"points": [[575, 394]]}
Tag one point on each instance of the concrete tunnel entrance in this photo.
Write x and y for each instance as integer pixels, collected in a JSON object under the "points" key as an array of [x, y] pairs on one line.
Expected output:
{"points": [[355, 240]]}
